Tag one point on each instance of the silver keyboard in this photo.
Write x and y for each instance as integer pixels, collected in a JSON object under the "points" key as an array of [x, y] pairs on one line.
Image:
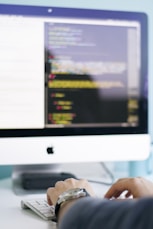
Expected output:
{"points": [[40, 207]]}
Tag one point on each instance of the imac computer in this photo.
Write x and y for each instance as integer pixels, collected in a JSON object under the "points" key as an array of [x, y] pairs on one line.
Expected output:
{"points": [[73, 86]]}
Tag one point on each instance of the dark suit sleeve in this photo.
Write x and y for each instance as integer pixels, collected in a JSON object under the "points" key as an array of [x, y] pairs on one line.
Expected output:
{"points": [[94, 213]]}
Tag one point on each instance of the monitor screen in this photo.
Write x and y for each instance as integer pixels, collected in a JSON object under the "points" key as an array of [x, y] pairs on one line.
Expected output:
{"points": [[73, 85]]}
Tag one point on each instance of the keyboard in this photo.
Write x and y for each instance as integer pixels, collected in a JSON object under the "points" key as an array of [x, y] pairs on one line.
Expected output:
{"points": [[40, 207]]}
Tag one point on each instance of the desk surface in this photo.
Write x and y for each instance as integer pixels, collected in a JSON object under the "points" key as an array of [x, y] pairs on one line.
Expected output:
{"points": [[11, 214]]}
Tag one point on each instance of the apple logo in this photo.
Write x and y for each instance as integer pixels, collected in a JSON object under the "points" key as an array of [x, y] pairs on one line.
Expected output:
{"points": [[50, 150]]}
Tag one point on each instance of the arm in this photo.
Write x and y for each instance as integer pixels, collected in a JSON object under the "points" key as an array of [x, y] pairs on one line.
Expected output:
{"points": [[91, 212], [94, 213]]}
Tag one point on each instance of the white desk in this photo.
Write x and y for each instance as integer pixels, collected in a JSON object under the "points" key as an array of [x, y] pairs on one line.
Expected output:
{"points": [[11, 214]]}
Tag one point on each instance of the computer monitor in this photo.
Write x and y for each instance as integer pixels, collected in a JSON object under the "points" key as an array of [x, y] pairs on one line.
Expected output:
{"points": [[73, 85]]}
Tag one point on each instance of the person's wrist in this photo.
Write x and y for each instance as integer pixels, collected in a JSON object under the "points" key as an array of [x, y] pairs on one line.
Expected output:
{"points": [[67, 196], [65, 207]]}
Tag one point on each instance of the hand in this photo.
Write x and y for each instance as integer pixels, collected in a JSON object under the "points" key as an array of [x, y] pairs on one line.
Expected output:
{"points": [[136, 187], [62, 186]]}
